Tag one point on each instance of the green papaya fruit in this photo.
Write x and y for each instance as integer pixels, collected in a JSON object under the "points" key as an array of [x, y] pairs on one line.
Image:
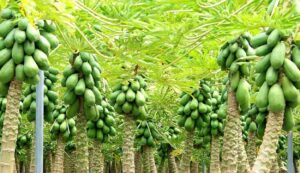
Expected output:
{"points": [[69, 97], [194, 104], [5, 27], [263, 50], [89, 81], [252, 127], [288, 120], [52, 95], [7, 72], [10, 39], [245, 70], [278, 104], [130, 95], [240, 53], [32, 34], [20, 75], [189, 124], [30, 67], [259, 40], [5, 55], [6, 13], [43, 45], [140, 99], [291, 70], [72, 81], [89, 97], [234, 67], [230, 60], [262, 96], [29, 47], [121, 98], [278, 55], [243, 95], [271, 76], [22, 24], [260, 79], [235, 80], [19, 36], [127, 107], [263, 64], [86, 68], [185, 99], [289, 90], [18, 53], [233, 47], [296, 56], [80, 87], [273, 38], [52, 39]]}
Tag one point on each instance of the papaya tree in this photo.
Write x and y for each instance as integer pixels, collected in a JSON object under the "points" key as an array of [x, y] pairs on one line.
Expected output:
{"points": [[24, 51], [278, 75], [146, 137], [99, 131], [233, 58], [194, 108], [62, 130], [129, 99], [82, 81], [50, 100], [69, 161]]}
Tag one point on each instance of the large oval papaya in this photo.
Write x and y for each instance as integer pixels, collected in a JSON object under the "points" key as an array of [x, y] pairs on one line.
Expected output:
{"points": [[289, 90], [276, 99], [262, 96], [278, 55], [291, 70]]}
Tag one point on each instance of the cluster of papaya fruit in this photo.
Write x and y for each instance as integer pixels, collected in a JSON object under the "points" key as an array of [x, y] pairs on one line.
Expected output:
{"points": [[216, 118], [163, 150], [282, 143], [62, 125], [103, 127], [173, 133], [232, 57], [146, 134], [254, 121], [24, 48], [70, 146], [278, 74], [24, 140], [82, 80], [129, 98], [50, 97], [194, 106]]}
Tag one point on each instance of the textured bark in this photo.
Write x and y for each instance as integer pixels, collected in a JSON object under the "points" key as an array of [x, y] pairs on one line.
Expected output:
{"points": [[215, 155], [32, 160], [59, 156], [162, 166], [81, 140], [28, 159], [230, 139], [53, 161], [194, 167], [49, 162], [172, 165], [146, 161], [138, 162], [298, 167], [10, 128], [267, 153], [243, 164], [251, 149], [128, 145], [67, 165], [187, 153], [275, 167], [97, 159], [150, 155]]}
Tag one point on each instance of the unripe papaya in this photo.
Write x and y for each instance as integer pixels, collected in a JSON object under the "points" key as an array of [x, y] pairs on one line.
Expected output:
{"points": [[278, 55], [276, 99]]}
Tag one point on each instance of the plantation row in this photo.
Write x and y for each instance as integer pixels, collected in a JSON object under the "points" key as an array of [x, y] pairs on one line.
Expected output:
{"points": [[232, 118]]}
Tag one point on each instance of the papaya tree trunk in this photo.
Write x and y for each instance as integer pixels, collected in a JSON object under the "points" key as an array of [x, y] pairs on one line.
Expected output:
{"points": [[243, 164], [28, 159], [32, 160], [97, 160], [150, 155], [251, 149], [67, 164], [172, 165], [81, 140], [128, 145], [187, 153], [146, 161], [138, 162], [59, 156], [194, 167], [267, 153], [53, 161], [10, 128], [162, 166], [72, 161], [230, 139], [215, 155], [275, 167]]}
